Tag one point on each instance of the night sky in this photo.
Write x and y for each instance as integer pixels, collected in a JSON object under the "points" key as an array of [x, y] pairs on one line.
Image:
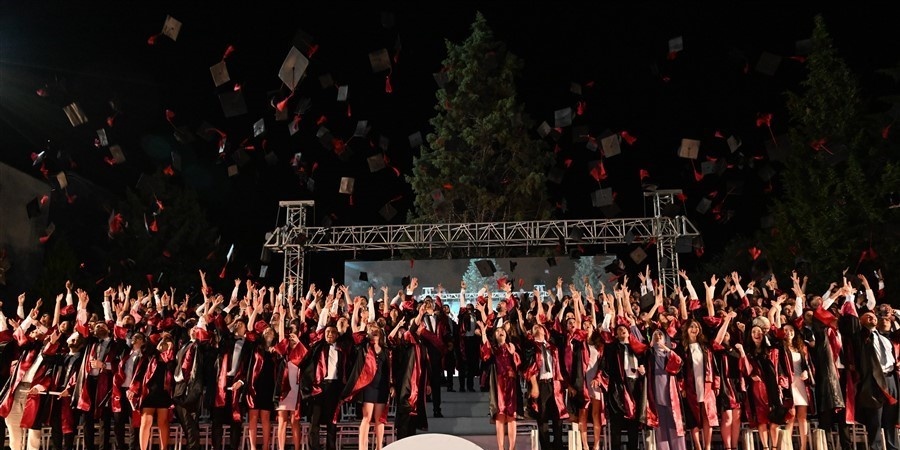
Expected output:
{"points": [[99, 54]]}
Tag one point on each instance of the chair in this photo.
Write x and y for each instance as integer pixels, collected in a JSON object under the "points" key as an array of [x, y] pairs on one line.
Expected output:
{"points": [[175, 435]]}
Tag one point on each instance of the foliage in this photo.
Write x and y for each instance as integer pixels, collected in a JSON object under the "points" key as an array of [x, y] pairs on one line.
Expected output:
{"points": [[480, 164]]}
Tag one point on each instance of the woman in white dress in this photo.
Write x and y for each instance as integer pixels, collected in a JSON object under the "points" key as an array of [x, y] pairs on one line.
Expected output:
{"points": [[288, 408], [793, 365]]}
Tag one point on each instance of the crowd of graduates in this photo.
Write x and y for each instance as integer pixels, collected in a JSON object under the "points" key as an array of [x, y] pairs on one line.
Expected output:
{"points": [[692, 367]]}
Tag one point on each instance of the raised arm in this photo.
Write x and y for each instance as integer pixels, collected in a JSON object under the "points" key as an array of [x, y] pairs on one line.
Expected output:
{"points": [[720, 335], [711, 294]]}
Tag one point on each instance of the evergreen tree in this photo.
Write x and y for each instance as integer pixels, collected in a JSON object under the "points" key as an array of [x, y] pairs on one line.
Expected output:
{"points": [[585, 267], [480, 164], [165, 237], [835, 178]]}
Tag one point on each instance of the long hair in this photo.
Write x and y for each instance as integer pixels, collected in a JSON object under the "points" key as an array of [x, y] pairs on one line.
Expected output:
{"points": [[701, 336], [796, 341], [751, 346]]}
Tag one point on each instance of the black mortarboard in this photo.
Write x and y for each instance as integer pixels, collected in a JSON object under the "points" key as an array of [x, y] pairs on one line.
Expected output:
{"points": [[233, 103], [363, 276], [551, 261], [485, 267]]}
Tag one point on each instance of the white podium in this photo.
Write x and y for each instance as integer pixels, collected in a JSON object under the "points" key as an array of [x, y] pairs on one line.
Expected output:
{"points": [[432, 441]]}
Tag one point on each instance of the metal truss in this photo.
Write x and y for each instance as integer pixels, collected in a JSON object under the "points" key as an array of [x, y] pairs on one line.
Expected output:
{"points": [[662, 231]]}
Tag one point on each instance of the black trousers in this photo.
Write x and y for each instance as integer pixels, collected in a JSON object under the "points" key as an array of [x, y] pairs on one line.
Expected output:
{"points": [[121, 420], [58, 440], [472, 363], [324, 407], [222, 416], [187, 417], [403, 424], [98, 415], [435, 376], [876, 419], [828, 418], [548, 415], [617, 422]]}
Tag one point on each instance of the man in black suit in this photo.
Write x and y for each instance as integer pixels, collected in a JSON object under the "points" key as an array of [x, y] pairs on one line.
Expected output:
{"points": [[189, 384], [323, 374], [234, 357]]}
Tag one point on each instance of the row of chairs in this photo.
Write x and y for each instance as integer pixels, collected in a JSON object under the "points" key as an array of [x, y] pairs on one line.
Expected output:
{"points": [[347, 433]]}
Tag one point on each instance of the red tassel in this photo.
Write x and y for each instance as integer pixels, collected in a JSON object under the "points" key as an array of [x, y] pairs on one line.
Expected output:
{"points": [[312, 50], [153, 226], [886, 131], [170, 116], [228, 51], [582, 106], [628, 137], [222, 273], [152, 39], [169, 171], [44, 239], [387, 85], [348, 110]]}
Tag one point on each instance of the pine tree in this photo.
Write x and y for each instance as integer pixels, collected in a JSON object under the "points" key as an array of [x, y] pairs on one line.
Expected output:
{"points": [[166, 239], [480, 164], [836, 175]]}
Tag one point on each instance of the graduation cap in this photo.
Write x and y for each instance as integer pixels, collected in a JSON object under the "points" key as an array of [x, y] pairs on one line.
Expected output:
{"points": [[342, 93], [171, 28], [704, 205], [346, 185], [263, 270], [62, 180], [611, 145], [415, 139], [240, 157], [734, 143], [544, 129], [610, 211], [512, 266], [76, 115], [581, 133], [684, 244], [405, 281], [233, 103], [617, 267], [259, 127], [638, 255], [102, 137], [380, 60], [768, 63], [232, 170], [293, 68], [219, 72], [485, 267], [676, 44], [556, 175], [689, 148], [362, 128], [376, 162], [387, 211], [551, 261], [602, 197], [441, 78], [363, 276], [326, 80], [562, 117], [117, 154]]}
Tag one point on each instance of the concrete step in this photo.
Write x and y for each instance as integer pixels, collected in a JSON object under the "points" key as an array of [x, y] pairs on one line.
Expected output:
{"points": [[461, 426]]}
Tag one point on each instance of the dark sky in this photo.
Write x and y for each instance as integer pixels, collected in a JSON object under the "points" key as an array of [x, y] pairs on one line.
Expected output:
{"points": [[98, 52]]}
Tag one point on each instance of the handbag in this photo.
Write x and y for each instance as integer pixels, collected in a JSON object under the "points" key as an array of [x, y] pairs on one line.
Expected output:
{"points": [[783, 440]]}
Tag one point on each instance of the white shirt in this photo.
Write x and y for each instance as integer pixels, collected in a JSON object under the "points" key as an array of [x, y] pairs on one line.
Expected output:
{"points": [[129, 369], [101, 348], [885, 352], [470, 330], [629, 361], [699, 371], [547, 362], [236, 357], [333, 355], [29, 376]]}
